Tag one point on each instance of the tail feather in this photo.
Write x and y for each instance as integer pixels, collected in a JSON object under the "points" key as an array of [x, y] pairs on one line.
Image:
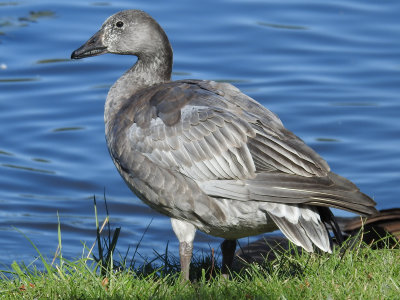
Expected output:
{"points": [[305, 231]]}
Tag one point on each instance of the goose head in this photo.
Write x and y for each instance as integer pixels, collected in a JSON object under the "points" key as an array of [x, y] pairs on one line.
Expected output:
{"points": [[129, 32]]}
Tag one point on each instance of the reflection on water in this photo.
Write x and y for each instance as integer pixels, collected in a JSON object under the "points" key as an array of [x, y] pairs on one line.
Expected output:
{"points": [[185, 74], [68, 129], [36, 15], [27, 168], [8, 3], [333, 84], [326, 140], [100, 4], [5, 153], [54, 60], [41, 160], [19, 79], [355, 104], [282, 26], [32, 17]]}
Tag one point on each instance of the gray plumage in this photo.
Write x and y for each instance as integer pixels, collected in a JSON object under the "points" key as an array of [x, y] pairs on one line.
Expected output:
{"points": [[207, 155]]}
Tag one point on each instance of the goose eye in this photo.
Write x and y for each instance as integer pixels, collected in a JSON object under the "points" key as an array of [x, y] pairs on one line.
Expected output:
{"points": [[119, 24]]}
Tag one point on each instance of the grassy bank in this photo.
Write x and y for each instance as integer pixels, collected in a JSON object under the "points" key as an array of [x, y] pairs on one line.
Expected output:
{"points": [[358, 272], [361, 273]]}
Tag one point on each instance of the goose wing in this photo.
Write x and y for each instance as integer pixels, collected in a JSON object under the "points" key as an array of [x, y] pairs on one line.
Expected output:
{"points": [[234, 147], [198, 130]]}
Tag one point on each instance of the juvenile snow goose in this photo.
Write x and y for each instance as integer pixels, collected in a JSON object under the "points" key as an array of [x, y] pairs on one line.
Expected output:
{"points": [[208, 156]]}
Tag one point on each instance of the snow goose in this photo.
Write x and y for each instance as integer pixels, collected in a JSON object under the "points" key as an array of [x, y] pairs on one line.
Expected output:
{"points": [[208, 156]]}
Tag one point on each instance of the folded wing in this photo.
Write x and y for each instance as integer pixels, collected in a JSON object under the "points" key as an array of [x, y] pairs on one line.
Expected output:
{"points": [[234, 148]]}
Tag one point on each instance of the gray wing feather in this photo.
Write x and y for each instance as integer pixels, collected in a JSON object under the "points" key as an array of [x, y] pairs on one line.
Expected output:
{"points": [[331, 190], [273, 143], [198, 142], [223, 137]]}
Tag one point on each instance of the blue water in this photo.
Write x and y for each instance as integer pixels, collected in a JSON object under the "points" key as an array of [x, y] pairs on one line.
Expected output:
{"points": [[330, 70]]}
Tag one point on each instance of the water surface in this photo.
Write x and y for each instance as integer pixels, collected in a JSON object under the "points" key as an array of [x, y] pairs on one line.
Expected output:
{"points": [[330, 70]]}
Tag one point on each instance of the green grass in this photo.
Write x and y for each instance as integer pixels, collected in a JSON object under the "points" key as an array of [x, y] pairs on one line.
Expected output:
{"points": [[357, 273]]}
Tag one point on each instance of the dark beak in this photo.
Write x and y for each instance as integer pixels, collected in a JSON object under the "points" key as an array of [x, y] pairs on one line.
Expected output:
{"points": [[94, 46]]}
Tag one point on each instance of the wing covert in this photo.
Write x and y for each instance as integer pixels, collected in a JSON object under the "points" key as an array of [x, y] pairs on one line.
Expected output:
{"points": [[209, 131], [205, 144]]}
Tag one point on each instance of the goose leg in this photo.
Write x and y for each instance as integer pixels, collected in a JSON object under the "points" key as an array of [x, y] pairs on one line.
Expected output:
{"points": [[185, 233], [228, 252]]}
